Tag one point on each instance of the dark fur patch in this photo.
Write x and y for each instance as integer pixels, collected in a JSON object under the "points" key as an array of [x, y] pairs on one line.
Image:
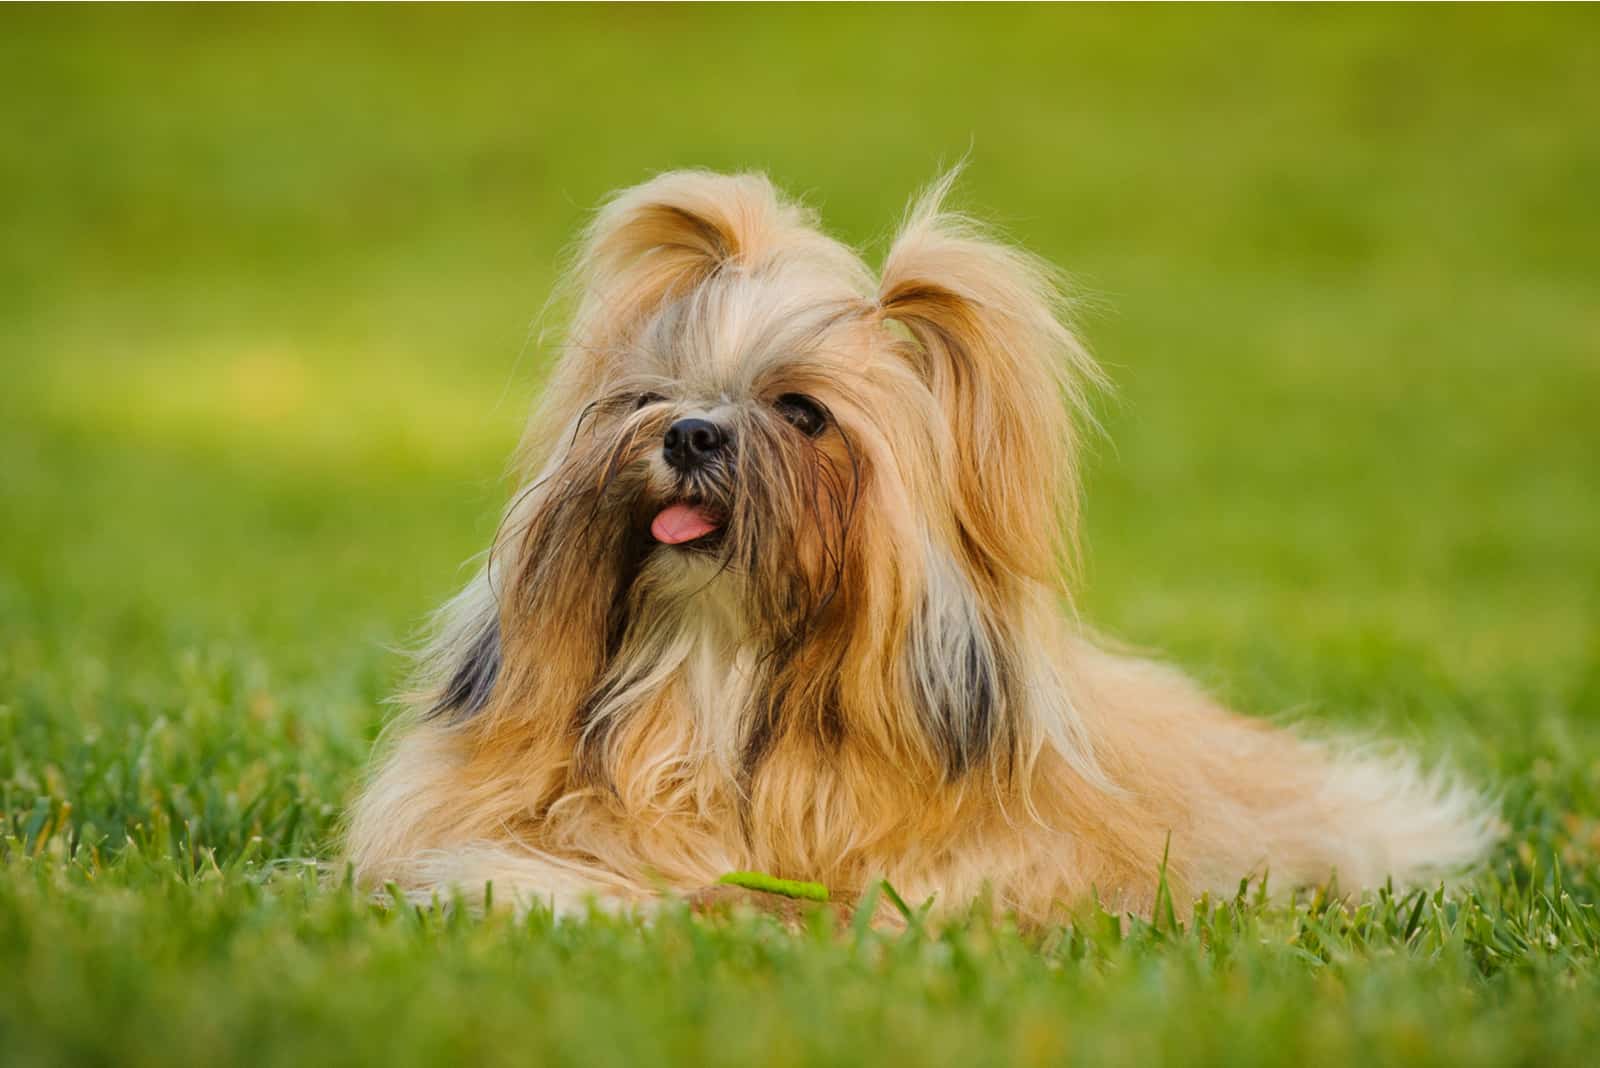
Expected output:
{"points": [[769, 717], [594, 737], [967, 712], [760, 733], [472, 682]]}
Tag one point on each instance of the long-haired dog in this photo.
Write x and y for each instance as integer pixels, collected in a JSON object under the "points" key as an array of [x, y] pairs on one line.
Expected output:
{"points": [[784, 591]]}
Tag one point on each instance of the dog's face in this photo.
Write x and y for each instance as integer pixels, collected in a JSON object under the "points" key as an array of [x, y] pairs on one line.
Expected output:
{"points": [[845, 488], [741, 436]]}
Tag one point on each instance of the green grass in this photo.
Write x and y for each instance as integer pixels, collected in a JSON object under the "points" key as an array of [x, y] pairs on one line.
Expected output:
{"points": [[266, 280]]}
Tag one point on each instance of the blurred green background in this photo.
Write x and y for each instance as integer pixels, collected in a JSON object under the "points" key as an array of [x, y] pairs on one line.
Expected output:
{"points": [[269, 279]]}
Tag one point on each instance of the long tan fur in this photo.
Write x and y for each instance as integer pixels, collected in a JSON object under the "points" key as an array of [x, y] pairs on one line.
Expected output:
{"points": [[875, 673]]}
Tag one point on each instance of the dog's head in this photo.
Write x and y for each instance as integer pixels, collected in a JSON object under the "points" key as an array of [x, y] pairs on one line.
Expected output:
{"points": [[853, 491]]}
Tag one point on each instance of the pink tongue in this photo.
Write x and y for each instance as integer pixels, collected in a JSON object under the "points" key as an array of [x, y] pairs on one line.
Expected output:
{"points": [[681, 523]]}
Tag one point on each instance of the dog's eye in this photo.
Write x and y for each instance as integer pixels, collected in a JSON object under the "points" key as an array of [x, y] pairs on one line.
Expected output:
{"points": [[805, 414], [646, 399]]}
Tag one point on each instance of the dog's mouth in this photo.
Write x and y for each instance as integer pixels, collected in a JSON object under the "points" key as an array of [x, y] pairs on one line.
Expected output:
{"points": [[687, 523]]}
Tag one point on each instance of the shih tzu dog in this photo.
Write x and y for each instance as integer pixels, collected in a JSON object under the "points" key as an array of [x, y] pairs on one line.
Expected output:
{"points": [[784, 592]]}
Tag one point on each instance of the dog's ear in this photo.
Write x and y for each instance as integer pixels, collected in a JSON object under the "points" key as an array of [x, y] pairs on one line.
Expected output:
{"points": [[662, 238], [989, 335]]}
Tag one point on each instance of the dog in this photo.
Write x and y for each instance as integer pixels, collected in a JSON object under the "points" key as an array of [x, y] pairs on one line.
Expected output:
{"points": [[784, 590]]}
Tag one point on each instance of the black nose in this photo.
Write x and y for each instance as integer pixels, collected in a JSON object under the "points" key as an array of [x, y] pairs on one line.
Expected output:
{"points": [[690, 443]]}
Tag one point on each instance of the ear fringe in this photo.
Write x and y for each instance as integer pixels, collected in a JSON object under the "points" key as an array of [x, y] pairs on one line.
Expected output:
{"points": [[991, 334]]}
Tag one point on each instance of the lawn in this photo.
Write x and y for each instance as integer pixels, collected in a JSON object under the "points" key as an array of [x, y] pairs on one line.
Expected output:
{"points": [[269, 283]]}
